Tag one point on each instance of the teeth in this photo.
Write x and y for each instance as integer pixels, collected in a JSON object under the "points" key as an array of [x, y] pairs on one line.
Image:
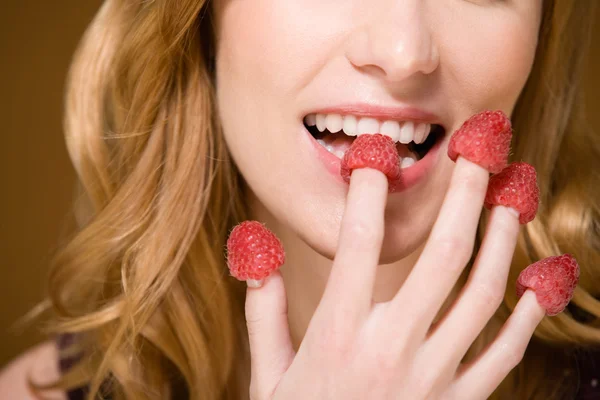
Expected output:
{"points": [[327, 146], [421, 132], [334, 123], [407, 162], [321, 125], [339, 153], [407, 132], [367, 125], [403, 132], [391, 129], [350, 125]]}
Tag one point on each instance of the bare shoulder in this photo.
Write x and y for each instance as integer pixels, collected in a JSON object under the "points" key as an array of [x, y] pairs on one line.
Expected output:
{"points": [[39, 363]]}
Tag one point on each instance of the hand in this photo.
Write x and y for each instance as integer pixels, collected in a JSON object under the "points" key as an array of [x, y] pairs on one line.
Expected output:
{"points": [[355, 349]]}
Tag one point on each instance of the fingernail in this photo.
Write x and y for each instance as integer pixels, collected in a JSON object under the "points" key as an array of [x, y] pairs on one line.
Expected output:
{"points": [[512, 211], [254, 283]]}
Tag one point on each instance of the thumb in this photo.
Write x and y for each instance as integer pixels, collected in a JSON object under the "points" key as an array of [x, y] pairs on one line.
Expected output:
{"points": [[271, 348]]}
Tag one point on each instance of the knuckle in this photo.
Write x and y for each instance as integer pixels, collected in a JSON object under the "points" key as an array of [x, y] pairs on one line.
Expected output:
{"points": [[333, 340], [254, 315], [253, 324], [428, 378], [451, 394], [489, 296], [257, 322], [514, 355], [401, 344], [454, 250], [424, 385], [385, 362], [337, 344]]}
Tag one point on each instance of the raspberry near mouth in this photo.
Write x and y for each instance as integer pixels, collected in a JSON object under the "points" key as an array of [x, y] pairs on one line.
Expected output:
{"points": [[344, 141]]}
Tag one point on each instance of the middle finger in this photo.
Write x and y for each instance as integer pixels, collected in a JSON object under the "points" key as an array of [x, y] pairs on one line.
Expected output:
{"points": [[447, 251]]}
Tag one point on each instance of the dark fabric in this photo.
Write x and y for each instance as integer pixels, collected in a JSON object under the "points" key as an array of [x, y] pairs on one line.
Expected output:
{"points": [[66, 363], [588, 365]]}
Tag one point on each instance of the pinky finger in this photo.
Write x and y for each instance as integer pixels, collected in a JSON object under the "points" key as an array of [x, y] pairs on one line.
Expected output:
{"points": [[479, 378]]}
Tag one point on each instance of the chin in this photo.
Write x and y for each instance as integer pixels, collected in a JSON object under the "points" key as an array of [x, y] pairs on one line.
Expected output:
{"points": [[314, 216], [406, 230]]}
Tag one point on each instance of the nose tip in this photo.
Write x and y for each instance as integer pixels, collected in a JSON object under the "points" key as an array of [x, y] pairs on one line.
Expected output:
{"points": [[398, 45], [399, 59]]}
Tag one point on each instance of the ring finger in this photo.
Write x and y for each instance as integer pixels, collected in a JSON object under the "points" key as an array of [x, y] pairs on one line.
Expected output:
{"points": [[483, 293]]}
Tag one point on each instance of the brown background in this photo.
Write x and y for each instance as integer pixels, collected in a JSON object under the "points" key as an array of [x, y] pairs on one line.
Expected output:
{"points": [[37, 39]]}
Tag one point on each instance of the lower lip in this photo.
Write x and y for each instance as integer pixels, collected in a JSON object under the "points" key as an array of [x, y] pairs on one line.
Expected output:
{"points": [[410, 176]]}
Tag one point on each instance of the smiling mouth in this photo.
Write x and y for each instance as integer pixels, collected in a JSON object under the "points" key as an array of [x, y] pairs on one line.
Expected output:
{"points": [[337, 132]]}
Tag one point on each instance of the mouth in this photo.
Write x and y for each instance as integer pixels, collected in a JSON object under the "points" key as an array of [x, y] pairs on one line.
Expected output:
{"points": [[335, 132]]}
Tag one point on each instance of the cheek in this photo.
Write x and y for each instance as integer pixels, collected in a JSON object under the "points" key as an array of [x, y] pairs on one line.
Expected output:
{"points": [[265, 44], [274, 55], [261, 61], [268, 52], [488, 69]]}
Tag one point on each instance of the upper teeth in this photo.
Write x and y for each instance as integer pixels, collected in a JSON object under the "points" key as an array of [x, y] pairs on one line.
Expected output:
{"points": [[403, 131]]}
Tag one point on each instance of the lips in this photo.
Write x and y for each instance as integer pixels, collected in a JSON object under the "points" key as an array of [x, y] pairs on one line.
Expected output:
{"points": [[410, 175], [417, 134]]}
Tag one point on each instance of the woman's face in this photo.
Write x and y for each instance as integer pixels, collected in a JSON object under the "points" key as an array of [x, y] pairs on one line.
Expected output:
{"points": [[394, 67]]}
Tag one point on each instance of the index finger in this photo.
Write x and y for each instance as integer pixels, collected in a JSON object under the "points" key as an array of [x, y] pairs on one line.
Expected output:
{"points": [[350, 285]]}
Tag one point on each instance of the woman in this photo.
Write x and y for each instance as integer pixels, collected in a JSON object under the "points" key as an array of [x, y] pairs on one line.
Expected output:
{"points": [[187, 117]]}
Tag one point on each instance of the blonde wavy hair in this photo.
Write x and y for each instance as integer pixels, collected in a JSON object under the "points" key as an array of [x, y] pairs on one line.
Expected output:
{"points": [[142, 281]]}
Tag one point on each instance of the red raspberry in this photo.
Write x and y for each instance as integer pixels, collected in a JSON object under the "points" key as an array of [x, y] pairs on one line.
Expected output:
{"points": [[375, 151], [553, 280], [516, 187], [483, 139], [253, 251]]}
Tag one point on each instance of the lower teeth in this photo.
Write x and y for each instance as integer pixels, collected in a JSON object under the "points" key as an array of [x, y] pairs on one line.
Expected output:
{"points": [[339, 154], [407, 162], [404, 162]]}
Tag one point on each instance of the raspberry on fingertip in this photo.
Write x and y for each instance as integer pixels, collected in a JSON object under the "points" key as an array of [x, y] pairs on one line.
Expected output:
{"points": [[553, 280], [255, 283], [515, 187], [483, 139], [253, 253], [375, 151]]}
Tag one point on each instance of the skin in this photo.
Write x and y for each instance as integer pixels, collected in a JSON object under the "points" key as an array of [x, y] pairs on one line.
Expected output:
{"points": [[280, 60], [356, 256], [415, 52]]}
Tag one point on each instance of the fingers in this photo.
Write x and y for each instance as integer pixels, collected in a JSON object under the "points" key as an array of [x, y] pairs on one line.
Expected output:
{"points": [[447, 251], [478, 379], [483, 293], [270, 344], [350, 285]]}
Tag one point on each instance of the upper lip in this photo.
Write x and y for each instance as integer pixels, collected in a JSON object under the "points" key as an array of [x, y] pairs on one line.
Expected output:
{"points": [[383, 113]]}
